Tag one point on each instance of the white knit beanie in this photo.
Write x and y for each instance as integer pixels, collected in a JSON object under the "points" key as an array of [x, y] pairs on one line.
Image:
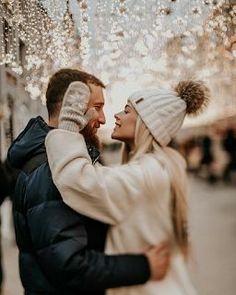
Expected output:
{"points": [[163, 111]]}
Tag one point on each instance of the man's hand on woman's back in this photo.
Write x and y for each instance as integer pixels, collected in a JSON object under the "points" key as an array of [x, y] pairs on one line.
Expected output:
{"points": [[159, 260]]}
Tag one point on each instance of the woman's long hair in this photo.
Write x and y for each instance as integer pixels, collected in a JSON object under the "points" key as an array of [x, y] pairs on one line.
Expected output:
{"points": [[175, 166], [196, 96]]}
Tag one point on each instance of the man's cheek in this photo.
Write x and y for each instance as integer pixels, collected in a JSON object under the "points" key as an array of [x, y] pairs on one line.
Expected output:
{"points": [[93, 123]]}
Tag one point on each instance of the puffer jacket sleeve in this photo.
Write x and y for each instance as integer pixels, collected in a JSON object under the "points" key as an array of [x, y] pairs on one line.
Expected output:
{"points": [[60, 242], [103, 193]]}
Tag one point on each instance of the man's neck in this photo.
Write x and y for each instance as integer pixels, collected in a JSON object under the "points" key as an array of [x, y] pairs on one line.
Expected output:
{"points": [[53, 122]]}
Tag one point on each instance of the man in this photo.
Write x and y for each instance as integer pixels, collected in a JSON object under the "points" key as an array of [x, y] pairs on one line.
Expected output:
{"points": [[61, 250]]}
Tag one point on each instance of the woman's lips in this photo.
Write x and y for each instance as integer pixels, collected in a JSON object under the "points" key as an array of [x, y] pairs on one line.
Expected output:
{"points": [[117, 125]]}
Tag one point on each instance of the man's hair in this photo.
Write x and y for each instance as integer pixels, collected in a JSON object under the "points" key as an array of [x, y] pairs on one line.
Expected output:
{"points": [[59, 83]]}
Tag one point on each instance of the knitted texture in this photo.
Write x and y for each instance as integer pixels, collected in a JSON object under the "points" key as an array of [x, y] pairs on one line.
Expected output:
{"points": [[75, 102], [161, 111]]}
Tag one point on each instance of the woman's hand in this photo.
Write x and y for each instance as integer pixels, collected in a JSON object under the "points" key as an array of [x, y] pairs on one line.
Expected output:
{"points": [[73, 116]]}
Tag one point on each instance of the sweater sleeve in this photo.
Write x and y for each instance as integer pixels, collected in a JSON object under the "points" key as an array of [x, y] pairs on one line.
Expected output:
{"points": [[103, 193]]}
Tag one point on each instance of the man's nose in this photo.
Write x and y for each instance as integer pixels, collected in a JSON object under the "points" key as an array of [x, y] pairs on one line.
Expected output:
{"points": [[102, 118]]}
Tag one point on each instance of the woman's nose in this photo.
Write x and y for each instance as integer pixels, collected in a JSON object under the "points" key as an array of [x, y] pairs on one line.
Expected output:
{"points": [[117, 116]]}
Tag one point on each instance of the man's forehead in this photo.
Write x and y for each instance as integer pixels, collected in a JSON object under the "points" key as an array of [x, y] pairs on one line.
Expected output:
{"points": [[96, 94], [94, 87]]}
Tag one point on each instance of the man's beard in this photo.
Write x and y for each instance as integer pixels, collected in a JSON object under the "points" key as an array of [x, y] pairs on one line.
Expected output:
{"points": [[90, 137]]}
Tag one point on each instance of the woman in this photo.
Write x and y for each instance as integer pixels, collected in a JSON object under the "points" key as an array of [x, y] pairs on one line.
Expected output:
{"points": [[145, 198]]}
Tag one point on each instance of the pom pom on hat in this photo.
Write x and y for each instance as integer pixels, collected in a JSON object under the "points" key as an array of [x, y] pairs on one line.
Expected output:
{"points": [[195, 94]]}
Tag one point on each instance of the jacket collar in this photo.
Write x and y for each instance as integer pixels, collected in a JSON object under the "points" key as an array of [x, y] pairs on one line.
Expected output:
{"points": [[93, 153], [30, 142]]}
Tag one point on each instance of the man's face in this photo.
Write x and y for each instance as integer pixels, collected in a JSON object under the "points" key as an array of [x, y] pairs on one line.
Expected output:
{"points": [[96, 101]]}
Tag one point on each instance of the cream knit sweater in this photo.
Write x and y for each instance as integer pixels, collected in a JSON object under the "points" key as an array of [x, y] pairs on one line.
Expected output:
{"points": [[120, 196]]}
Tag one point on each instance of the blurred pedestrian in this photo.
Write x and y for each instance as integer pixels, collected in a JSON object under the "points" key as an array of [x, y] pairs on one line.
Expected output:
{"points": [[8, 177], [4, 192], [207, 158], [229, 145]]}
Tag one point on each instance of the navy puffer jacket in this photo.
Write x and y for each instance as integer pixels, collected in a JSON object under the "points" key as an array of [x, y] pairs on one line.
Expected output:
{"points": [[60, 251]]}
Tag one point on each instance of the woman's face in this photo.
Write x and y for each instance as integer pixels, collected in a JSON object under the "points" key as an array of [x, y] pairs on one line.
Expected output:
{"points": [[125, 125]]}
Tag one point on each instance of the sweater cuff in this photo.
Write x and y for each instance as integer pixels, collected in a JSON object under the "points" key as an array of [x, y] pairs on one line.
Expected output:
{"points": [[69, 126]]}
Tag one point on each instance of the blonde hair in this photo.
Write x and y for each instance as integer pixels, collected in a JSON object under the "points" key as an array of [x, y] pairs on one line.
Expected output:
{"points": [[196, 95], [175, 166]]}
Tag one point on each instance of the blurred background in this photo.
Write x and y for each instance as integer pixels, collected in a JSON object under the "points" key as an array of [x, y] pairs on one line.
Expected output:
{"points": [[131, 45]]}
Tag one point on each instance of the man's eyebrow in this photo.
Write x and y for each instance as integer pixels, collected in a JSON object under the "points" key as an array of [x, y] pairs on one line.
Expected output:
{"points": [[99, 103]]}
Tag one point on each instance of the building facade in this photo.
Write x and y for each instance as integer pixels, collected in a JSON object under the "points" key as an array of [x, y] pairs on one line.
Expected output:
{"points": [[16, 106]]}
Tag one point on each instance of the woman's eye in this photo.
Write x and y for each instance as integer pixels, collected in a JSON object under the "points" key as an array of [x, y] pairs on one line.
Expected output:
{"points": [[126, 112]]}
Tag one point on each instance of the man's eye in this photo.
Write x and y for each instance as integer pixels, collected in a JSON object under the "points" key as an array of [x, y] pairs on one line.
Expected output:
{"points": [[125, 111], [97, 108]]}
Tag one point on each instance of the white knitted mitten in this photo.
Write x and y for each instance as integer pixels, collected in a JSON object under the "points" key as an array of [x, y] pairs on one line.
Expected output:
{"points": [[75, 102]]}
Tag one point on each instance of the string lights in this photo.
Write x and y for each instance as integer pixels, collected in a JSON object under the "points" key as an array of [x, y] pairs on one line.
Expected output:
{"points": [[116, 39]]}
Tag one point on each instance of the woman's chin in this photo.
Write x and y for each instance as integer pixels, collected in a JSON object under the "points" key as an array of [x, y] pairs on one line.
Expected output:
{"points": [[114, 135]]}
